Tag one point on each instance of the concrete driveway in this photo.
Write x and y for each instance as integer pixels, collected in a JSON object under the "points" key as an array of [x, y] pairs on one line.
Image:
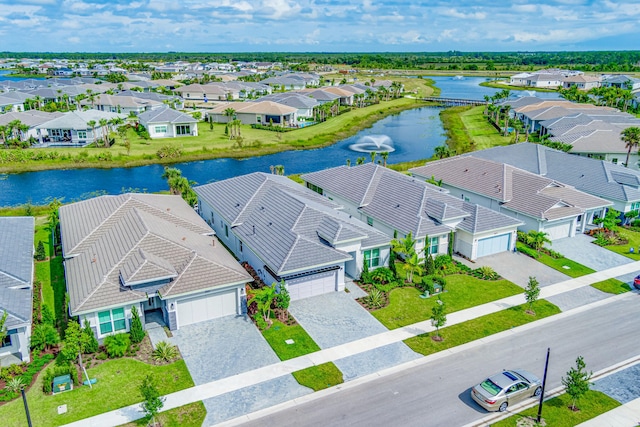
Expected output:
{"points": [[517, 268], [580, 249], [336, 318], [228, 346]]}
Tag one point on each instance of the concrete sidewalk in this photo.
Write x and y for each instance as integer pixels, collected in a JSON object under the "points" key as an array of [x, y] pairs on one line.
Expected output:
{"points": [[627, 415], [269, 372]]}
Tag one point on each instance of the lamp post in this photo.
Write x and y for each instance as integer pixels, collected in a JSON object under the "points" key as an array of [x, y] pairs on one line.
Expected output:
{"points": [[544, 382], [26, 407]]}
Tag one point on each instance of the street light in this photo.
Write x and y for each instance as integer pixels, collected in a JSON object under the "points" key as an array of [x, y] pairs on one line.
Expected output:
{"points": [[26, 407], [544, 382]]}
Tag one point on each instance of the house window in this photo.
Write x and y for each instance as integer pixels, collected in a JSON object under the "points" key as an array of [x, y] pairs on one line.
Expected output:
{"points": [[432, 246], [213, 220], [635, 206], [82, 134], [240, 246], [160, 129], [6, 342], [370, 221], [372, 257], [226, 230], [183, 130], [112, 321], [314, 188]]}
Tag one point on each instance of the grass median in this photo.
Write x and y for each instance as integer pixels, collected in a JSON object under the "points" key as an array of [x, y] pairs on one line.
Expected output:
{"points": [[480, 327]]}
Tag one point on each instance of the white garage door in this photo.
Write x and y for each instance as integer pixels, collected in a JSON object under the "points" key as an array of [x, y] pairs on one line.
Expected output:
{"points": [[309, 286], [558, 231], [205, 307], [493, 245]]}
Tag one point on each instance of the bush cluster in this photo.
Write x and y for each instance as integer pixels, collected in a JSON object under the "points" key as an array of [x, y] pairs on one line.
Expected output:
{"points": [[169, 152], [56, 371], [272, 128], [117, 345]]}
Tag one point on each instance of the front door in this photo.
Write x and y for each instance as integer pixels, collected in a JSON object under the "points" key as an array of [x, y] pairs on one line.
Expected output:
{"points": [[152, 303]]}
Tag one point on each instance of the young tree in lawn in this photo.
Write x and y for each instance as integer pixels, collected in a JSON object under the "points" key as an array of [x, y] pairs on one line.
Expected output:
{"points": [[152, 401], [577, 382], [537, 239], [438, 318], [75, 342], [264, 297], [412, 265], [531, 293]]}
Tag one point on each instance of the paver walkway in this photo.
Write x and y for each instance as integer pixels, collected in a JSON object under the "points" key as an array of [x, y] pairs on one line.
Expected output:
{"points": [[276, 370]]}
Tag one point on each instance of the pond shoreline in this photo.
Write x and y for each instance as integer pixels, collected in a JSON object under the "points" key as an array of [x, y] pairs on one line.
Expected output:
{"points": [[327, 140]]}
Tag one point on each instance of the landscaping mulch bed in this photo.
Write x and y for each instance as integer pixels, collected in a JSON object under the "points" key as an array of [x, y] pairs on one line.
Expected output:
{"points": [[368, 287]]}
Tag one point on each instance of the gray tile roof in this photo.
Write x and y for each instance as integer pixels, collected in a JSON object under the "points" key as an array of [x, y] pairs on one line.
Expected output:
{"points": [[404, 203], [291, 99], [78, 119], [16, 269], [513, 188], [139, 237], [165, 115], [290, 227], [596, 177]]}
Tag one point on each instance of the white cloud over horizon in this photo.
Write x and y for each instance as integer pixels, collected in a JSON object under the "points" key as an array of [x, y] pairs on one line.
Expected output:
{"points": [[316, 25]]}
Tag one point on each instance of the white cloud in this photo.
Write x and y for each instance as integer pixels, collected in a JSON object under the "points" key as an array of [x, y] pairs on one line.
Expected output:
{"points": [[455, 14]]}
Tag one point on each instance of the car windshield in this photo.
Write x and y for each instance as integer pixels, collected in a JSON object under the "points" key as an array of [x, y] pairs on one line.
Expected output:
{"points": [[490, 386]]}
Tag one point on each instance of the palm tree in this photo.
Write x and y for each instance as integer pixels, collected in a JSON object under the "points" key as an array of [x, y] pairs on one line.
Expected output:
{"points": [[92, 125], [373, 155], [3, 131], [412, 264], [486, 104], [105, 131], [229, 113], [385, 156], [631, 137], [506, 109], [442, 151], [537, 239], [79, 98], [404, 247]]}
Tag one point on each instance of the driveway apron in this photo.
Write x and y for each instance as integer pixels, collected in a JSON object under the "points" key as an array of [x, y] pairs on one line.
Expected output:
{"points": [[580, 249], [336, 318], [228, 346], [623, 386], [517, 268]]}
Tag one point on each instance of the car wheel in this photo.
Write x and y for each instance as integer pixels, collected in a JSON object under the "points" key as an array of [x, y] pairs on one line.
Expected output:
{"points": [[503, 407], [538, 392]]}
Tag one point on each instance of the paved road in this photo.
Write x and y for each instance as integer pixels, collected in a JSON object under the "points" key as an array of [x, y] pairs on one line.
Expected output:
{"points": [[436, 394]]}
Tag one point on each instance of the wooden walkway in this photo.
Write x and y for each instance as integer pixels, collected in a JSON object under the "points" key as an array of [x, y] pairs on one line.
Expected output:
{"points": [[453, 102]]}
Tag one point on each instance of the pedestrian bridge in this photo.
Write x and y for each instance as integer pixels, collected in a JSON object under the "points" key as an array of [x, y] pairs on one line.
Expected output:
{"points": [[453, 102]]}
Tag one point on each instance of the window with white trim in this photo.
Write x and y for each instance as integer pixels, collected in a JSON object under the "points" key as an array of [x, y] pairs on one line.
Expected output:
{"points": [[635, 206], [6, 342], [82, 134], [160, 129], [372, 257], [112, 321]]}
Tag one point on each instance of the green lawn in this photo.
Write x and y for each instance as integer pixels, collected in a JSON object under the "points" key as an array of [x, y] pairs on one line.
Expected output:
{"points": [[556, 412], [314, 377], [462, 291], [117, 386], [468, 130], [634, 242], [560, 264], [49, 272], [279, 332], [481, 327], [612, 286], [319, 377], [191, 415]]}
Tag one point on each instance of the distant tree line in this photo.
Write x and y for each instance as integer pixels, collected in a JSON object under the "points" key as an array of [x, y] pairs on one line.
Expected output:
{"points": [[594, 61]]}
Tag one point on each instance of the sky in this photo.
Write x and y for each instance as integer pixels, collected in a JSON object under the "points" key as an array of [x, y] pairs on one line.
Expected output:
{"points": [[317, 25]]}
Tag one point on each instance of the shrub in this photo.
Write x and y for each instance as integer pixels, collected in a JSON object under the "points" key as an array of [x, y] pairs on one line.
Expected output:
{"points": [[137, 331], [365, 276], [117, 345], [169, 152], [375, 298], [522, 237], [44, 336], [14, 384], [603, 240], [382, 275], [91, 345], [47, 315], [101, 356], [528, 251], [260, 322], [165, 352], [40, 254], [444, 265], [487, 273], [554, 254], [427, 284], [283, 299], [388, 286]]}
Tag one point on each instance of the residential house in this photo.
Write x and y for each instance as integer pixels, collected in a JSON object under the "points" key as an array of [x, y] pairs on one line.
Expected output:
{"points": [[600, 178], [397, 204], [289, 233], [73, 128], [541, 203], [582, 82], [16, 287], [304, 104], [198, 92], [262, 113], [148, 251], [166, 122], [31, 118], [622, 81], [545, 80], [123, 104]]}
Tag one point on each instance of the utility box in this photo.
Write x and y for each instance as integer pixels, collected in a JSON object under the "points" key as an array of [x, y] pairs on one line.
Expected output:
{"points": [[62, 383]]}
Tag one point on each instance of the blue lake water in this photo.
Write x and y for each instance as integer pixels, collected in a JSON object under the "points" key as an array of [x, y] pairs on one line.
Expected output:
{"points": [[4, 76], [415, 133]]}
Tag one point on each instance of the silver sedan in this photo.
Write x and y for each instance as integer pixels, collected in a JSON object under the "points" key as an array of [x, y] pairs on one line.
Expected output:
{"points": [[508, 387]]}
